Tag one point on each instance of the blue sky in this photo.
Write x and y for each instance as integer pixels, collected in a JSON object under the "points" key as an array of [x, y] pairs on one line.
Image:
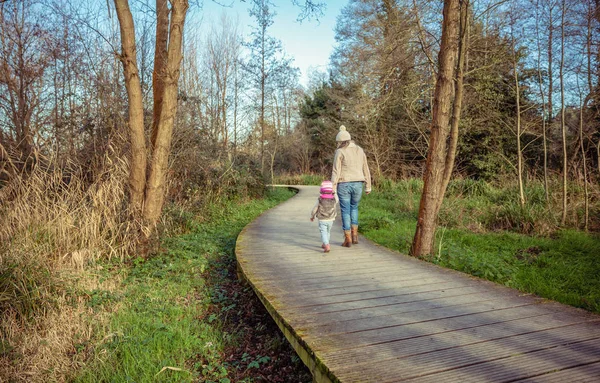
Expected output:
{"points": [[309, 42]]}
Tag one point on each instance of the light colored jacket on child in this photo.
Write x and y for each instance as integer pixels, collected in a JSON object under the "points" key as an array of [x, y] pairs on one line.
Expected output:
{"points": [[324, 209]]}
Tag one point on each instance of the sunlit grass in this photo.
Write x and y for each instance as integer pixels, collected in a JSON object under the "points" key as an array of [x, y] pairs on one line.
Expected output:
{"points": [[161, 330], [562, 265]]}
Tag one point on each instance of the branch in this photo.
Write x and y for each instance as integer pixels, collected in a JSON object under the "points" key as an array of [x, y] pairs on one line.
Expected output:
{"points": [[422, 39], [310, 9]]}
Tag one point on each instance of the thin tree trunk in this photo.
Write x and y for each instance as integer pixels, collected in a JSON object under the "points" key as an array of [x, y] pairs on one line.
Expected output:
{"points": [[155, 188], [550, 66], [583, 106], [519, 149], [585, 175], [563, 125], [137, 175], [160, 63], [458, 98], [263, 81], [235, 105], [224, 110], [598, 155], [434, 168], [597, 88], [544, 111]]}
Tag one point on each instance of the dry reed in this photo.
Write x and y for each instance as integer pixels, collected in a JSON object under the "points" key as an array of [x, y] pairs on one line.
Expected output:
{"points": [[53, 225]]}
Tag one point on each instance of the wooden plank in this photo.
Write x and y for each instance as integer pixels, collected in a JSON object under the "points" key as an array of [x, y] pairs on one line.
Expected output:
{"points": [[417, 327], [415, 342], [578, 374], [367, 314], [521, 366], [395, 319], [448, 356]]}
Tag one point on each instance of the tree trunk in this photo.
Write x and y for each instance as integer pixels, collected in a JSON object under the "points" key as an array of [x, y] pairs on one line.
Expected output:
{"points": [[519, 148], [160, 63], [458, 98], [563, 125], [434, 168], [585, 175], [137, 175], [235, 105], [155, 188], [598, 156], [263, 82], [544, 109], [550, 66]]}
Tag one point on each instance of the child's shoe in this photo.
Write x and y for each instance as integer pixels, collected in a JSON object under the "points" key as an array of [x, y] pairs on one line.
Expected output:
{"points": [[326, 248]]}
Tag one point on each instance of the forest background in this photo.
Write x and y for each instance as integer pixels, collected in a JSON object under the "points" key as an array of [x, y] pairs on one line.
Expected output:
{"points": [[529, 125]]}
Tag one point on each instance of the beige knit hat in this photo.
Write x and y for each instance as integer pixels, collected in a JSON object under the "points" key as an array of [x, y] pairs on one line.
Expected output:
{"points": [[343, 135]]}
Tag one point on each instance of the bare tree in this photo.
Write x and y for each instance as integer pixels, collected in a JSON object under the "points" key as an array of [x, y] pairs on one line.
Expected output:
{"points": [[545, 115], [517, 89], [266, 60], [584, 161], [148, 190], [222, 54], [563, 126], [25, 54]]}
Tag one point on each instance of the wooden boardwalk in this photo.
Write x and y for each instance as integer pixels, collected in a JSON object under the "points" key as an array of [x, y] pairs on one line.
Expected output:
{"points": [[367, 314]]}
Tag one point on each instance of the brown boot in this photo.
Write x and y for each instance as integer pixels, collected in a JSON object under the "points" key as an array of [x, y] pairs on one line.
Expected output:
{"points": [[347, 239], [354, 231]]}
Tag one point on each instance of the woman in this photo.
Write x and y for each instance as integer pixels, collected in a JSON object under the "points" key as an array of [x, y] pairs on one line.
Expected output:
{"points": [[350, 172]]}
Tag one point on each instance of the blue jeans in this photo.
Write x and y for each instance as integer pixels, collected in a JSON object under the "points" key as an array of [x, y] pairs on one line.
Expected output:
{"points": [[349, 194], [325, 229]]}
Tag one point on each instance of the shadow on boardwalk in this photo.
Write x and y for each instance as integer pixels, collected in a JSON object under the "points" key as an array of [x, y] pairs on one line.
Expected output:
{"points": [[367, 314]]}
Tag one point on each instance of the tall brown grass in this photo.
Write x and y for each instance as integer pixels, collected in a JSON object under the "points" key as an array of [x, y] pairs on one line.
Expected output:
{"points": [[53, 224]]}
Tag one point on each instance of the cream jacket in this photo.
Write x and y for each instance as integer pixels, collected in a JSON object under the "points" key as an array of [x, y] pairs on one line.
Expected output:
{"points": [[350, 165]]}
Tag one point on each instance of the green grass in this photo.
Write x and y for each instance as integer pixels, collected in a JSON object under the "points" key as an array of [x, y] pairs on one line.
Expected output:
{"points": [[161, 326], [562, 266]]}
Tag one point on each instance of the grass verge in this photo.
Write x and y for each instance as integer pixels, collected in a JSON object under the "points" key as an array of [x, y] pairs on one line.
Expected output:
{"points": [[182, 316], [561, 266]]}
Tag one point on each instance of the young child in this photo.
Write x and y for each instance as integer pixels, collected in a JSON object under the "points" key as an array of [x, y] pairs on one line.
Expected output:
{"points": [[325, 211]]}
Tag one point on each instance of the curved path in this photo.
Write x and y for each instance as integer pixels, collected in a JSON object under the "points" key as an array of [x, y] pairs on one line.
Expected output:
{"points": [[367, 314]]}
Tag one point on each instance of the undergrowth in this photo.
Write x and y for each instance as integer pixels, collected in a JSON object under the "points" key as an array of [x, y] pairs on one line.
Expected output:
{"points": [[182, 316], [54, 224], [299, 179]]}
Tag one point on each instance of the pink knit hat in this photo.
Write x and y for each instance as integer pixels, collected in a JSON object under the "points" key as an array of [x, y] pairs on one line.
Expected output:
{"points": [[327, 189]]}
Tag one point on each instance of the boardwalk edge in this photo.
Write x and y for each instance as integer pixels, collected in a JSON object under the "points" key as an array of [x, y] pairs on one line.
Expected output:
{"points": [[320, 372]]}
